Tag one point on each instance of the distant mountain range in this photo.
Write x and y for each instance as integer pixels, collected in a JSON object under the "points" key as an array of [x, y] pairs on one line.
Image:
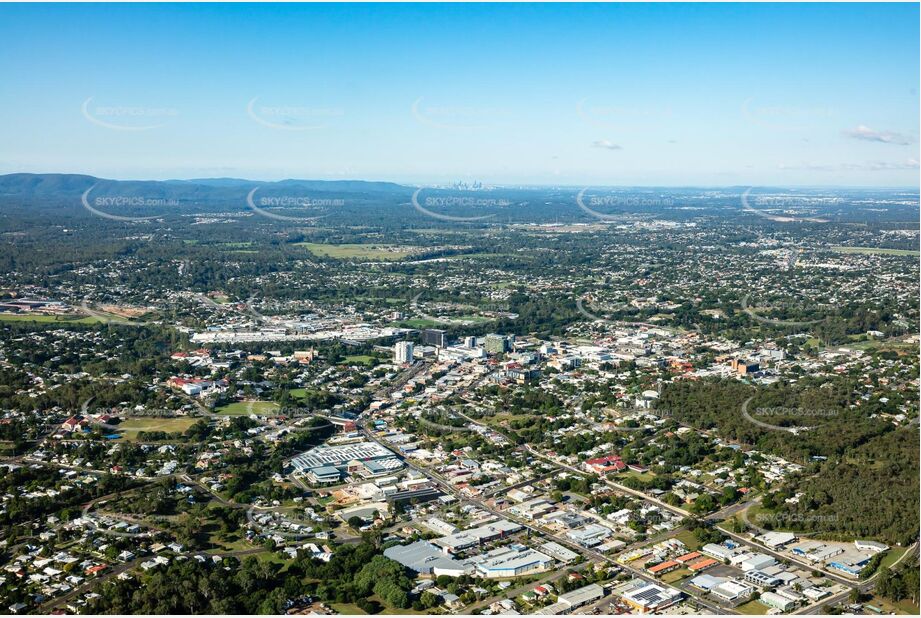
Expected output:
{"points": [[199, 189]]}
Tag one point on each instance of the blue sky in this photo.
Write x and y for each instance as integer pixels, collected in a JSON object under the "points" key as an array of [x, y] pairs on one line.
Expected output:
{"points": [[539, 94]]}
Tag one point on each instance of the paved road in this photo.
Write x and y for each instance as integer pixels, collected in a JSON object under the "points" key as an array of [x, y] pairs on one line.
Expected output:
{"points": [[586, 552], [622, 488], [779, 556], [609, 483]]}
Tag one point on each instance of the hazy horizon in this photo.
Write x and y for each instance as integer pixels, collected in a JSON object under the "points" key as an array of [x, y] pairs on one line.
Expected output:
{"points": [[606, 95], [412, 183]]}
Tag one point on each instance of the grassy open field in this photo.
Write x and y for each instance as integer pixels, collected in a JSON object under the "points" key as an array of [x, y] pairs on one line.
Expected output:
{"points": [[351, 608], [418, 323], [892, 556], [363, 359], [365, 252], [476, 319], [875, 250], [676, 575], [752, 608], [687, 537], [883, 345], [245, 408], [903, 607], [130, 428], [57, 319], [643, 476]]}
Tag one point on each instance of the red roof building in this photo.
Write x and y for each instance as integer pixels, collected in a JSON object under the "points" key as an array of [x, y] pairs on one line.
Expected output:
{"points": [[74, 423], [603, 465]]}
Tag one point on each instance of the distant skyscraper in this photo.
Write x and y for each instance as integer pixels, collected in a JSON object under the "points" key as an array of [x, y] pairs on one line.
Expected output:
{"points": [[433, 336], [469, 342], [403, 352]]}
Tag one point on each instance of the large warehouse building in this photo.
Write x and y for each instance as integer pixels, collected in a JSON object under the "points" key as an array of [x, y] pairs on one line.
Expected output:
{"points": [[367, 459]]}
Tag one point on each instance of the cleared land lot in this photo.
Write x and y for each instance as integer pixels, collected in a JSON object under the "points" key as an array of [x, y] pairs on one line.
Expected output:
{"points": [[59, 319], [752, 608], [875, 250], [245, 408], [365, 252], [131, 427]]}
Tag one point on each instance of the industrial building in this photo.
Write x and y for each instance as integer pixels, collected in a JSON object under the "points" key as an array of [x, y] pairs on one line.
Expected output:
{"points": [[651, 598], [775, 540], [757, 562], [559, 552], [707, 582], [367, 459], [511, 561], [762, 579], [850, 562], [871, 546], [591, 535], [473, 537], [581, 596], [776, 601], [732, 591], [720, 552], [426, 559]]}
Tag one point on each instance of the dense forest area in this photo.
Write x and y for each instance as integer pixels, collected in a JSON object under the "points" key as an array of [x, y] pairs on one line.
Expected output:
{"points": [[861, 474], [870, 493], [900, 584], [259, 586]]}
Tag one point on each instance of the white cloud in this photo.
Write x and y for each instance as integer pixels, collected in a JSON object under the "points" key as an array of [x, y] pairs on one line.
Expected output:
{"points": [[603, 143], [887, 137]]}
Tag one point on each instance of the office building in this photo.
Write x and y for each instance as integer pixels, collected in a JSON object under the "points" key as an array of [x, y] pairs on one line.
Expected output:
{"points": [[433, 336], [403, 352], [496, 344]]}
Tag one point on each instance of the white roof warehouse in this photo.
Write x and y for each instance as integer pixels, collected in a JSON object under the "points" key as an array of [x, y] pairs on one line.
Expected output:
{"points": [[341, 456]]}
